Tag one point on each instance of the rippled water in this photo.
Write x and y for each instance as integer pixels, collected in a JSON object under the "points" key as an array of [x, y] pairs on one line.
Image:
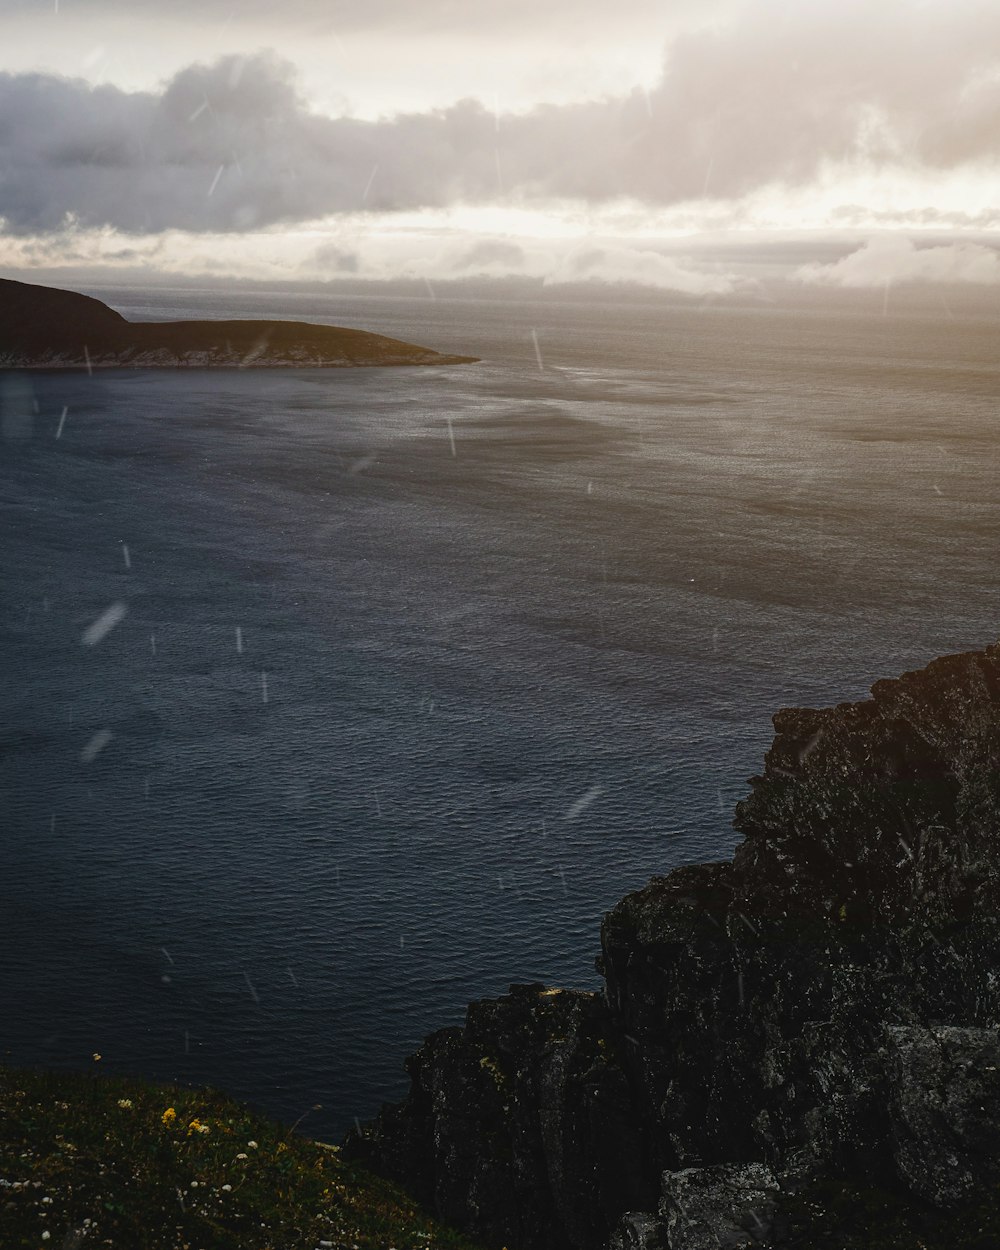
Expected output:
{"points": [[510, 639]]}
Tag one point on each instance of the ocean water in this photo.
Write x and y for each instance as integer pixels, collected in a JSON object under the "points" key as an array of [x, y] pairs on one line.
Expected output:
{"points": [[416, 672]]}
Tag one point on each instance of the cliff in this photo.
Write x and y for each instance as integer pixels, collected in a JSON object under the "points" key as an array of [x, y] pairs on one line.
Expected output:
{"points": [[44, 328], [792, 1046]]}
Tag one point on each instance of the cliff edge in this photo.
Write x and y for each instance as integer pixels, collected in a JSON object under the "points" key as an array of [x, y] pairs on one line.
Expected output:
{"points": [[45, 328], [824, 1009]]}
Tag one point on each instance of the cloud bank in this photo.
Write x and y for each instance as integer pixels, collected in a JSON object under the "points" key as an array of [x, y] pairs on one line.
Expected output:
{"points": [[565, 262], [890, 260], [778, 96], [639, 266]]}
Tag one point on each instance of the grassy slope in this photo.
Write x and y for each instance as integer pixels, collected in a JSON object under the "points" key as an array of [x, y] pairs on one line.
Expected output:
{"points": [[96, 1161]]}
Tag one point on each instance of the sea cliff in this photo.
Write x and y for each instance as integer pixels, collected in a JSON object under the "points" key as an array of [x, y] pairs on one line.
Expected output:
{"points": [[798, 1047]]}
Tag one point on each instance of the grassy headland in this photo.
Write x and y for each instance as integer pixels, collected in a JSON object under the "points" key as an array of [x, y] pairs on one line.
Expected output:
{"points": [[90, 1160]]}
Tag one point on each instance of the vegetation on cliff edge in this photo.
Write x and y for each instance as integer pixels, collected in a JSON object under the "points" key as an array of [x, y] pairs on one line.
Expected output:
{"points": [[90, 1160]]}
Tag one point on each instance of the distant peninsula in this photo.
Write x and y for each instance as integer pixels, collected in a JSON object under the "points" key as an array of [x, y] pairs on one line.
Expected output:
{"points": [[45, 328]]}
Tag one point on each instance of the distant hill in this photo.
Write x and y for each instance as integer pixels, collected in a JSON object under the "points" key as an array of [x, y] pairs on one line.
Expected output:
{"points": [[45, 328]]}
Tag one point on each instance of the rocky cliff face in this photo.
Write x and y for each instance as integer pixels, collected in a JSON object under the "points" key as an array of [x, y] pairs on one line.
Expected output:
{"points": [[826, 1007]]}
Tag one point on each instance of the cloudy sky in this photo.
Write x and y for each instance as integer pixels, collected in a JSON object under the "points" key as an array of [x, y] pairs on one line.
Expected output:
{"points": [[572, 140]]}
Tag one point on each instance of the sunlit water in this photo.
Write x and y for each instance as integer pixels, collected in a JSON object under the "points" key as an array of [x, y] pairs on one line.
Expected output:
{"points": [[510, 639]]}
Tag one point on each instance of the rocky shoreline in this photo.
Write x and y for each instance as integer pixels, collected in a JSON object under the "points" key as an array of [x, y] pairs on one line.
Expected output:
{"points": [[822, 1010]]}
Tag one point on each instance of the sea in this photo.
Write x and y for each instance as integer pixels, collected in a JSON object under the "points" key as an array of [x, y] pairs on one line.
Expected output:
{"points": [[333, 700]]}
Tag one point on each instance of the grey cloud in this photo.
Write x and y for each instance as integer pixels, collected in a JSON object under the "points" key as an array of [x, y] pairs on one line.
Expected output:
{"points": [[427, 16], [330, 258], [792, 88], [490, 254], [776, 97]]}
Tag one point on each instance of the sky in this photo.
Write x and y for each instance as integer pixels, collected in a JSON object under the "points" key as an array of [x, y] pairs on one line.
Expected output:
{"points": [[580, 140]]}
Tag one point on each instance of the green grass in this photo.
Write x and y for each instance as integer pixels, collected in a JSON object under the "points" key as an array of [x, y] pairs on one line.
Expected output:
{"points": [[101, 1161]]}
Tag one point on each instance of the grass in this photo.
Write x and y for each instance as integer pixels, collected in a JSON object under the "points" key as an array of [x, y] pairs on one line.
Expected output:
{"points": [[88, 1160]]}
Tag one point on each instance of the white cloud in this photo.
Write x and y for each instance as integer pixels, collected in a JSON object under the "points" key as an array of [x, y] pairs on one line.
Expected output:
{"points": [[891, 259], [639, 266]]}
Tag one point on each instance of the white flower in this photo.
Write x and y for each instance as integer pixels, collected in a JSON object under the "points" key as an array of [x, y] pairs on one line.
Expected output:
{"points": [[241, 1155], [125, 1103], [46, 1235], [252, 1145], [227, 1188]]}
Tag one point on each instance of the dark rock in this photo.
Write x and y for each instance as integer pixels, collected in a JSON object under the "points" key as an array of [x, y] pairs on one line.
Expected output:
{"points": [[719, 1208], [638, 1230], [823, 1007], [944, 1087], [522, 1123]]}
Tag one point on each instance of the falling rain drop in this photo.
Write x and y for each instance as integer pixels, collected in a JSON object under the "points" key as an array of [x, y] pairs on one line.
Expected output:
{"points": [[104, 624], [96, 745], [538, 351]]}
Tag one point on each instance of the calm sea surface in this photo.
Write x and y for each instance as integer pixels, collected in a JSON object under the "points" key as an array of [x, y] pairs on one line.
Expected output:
{"points": [[418, 671]]}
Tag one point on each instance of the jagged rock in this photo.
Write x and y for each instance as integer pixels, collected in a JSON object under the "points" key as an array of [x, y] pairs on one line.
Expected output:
{"points": [[719, 1208], [776, 1011], [944, 1087], [638, 1230], [521, 1124]]}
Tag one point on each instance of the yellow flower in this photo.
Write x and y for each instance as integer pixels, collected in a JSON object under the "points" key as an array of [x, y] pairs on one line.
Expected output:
{"points": [[125, 1104], [196, 1126], [96, 1057], [169, 1116]]}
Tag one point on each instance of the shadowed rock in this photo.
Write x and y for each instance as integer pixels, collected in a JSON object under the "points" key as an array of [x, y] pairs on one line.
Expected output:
{"points": [[824, 1008], [44, 328]]}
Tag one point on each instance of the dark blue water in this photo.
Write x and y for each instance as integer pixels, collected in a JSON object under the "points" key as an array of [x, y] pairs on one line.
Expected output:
{"points": [[509, 642]]}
